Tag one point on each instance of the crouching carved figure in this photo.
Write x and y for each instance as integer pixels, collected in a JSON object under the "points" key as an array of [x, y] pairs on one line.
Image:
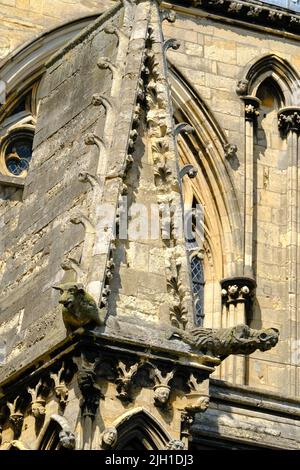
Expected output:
{"points": [[79, 307], [221, 343]]}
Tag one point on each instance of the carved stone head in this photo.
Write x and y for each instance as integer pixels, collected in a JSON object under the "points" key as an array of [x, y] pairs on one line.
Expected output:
{"points": [[38, 408], [175, 444], [109, 437], [161, 394], [242, 87], [67, 439], [267, 339]]}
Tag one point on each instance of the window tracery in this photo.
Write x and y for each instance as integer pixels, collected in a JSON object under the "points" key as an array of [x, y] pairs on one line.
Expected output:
{"points": [[17, 127]]}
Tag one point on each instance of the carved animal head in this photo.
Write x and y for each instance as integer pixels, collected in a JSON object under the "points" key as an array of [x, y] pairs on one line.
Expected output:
{"points": [[69, 292], [267, 338]]}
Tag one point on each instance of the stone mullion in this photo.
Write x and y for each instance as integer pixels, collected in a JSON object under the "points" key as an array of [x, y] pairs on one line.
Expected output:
{"points": [[292, 246], [289, 125], [237, 296], [251, 113], [234, 310]]}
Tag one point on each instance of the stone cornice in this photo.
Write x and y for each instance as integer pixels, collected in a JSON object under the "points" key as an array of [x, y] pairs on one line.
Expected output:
{"points": [[289, 120], [250, 12]]}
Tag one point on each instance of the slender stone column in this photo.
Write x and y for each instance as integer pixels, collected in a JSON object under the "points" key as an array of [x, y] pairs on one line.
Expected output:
{"points": [[251, 113], [289, 126], [237, 299]]}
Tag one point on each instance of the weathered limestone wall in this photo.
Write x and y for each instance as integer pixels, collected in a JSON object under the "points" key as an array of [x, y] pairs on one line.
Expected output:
{"points": [[213, 57], [23, 20], [37, 234]]}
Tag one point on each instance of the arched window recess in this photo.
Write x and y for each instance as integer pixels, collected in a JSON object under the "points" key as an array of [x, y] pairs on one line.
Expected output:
{"points": [[17, 127]]}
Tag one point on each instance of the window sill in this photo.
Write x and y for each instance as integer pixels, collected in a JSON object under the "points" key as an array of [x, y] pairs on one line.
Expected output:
{"points": [[12, 181]]}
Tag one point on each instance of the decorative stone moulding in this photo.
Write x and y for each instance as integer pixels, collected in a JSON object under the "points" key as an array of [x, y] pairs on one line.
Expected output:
{"points": [[237, 289], [289, 120], [252, 105], [259, 15]]}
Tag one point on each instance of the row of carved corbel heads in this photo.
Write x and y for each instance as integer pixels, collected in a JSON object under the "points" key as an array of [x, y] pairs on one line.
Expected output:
{"points": [[246, 11], [128, 375], [35, 397]]}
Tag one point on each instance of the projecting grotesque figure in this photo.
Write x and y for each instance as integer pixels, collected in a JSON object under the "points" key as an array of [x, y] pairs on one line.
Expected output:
{"points": [[221, 343], [67, 439], [79, 307]]}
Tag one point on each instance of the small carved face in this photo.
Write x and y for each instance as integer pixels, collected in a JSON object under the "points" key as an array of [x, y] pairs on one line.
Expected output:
{"points": [[204, 403], [67, 439], [162, 394], [242, 87], [38, 409], [109, 437]]}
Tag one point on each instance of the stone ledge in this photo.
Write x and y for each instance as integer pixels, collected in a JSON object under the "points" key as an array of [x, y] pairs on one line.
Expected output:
{"points": [[12, 181], [251, 12]]}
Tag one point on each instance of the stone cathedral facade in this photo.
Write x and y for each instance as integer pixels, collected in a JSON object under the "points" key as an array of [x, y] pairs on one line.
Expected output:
{"points": [[131, 115]]}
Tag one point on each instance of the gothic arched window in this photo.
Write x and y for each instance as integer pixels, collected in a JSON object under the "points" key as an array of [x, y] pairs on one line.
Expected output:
{"points": [[18, 119], [198, 282]]}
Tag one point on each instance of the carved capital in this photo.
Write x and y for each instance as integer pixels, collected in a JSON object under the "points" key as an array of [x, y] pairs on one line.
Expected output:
{"points": [[289, 120], [237, 290], [16, 420], [90, 390], [252, 105], [124, 380], [187, 420]]}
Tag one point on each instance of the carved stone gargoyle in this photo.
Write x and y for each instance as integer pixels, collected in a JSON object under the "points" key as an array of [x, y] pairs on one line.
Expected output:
{"points": [[240, 339], [79, 307]]}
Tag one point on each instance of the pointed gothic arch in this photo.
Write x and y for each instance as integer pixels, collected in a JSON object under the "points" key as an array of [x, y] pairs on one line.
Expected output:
{"points": [[139, 430], [52, 438], [212, 187], [280, 71]]}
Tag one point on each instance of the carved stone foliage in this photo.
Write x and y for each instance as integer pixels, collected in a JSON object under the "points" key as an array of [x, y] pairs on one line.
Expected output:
{"points": [[289, 120], [126, 374], [79, 308], [178, 308], [38, 394], [251, 108], [240, 339], [16, 416], [60, 386], [237, 290]]}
